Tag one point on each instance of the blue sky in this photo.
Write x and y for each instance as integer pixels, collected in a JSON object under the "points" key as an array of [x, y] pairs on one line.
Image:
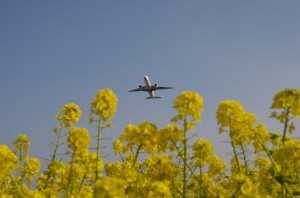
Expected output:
{"points": [[53, 52]]}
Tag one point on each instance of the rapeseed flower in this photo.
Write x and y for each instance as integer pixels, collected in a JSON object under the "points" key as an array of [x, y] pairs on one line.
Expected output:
{"points": [[110, 187], [202, 150], [78, 139], [69, 114], [8, 161], [32, 166], [215, 165], [104, 105], [286, 106], [161, 162], [287, 99], [188, 104], [143, 136], [22, 145], [227, 112]]}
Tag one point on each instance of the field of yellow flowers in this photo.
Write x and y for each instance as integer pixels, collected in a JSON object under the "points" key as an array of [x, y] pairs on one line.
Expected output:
{"points": [[161, 162]]}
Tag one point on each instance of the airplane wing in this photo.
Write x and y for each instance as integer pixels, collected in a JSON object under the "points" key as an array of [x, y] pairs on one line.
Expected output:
{"points": [[137, 89], [159, 87]]}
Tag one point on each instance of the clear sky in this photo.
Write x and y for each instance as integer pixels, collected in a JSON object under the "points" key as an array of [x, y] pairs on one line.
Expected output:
{"points": [[53, 52]]}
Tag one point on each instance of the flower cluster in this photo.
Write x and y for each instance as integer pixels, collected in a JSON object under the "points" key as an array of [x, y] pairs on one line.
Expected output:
{"points": [[22, 144], [286, 106], [104, 105], [69, 114], [143, 137], [78, 139], [8, 161], [153, 161], [32, 167], [189, 104], [240, 124], [288, 99]]}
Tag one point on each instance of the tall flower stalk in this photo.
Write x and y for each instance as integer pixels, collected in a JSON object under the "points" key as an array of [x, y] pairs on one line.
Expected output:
{"points": [[102, 109], [69, 115], [286, 106], [185, 141], [189, 106], [240, 126], [78, 142], [99, 145]]}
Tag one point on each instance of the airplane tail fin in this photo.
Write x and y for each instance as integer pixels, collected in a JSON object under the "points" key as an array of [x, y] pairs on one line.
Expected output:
{"points": [[153, 97]]}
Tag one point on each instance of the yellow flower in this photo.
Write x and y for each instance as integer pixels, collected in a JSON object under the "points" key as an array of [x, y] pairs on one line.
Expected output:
{"points": [[169, 136], [202, 150], [287, 98], [104, 105], [36, 194], [263, 163], [91, 164], [57, 167], [161, 168], [8, 160], [118, 146], [261, 136], [124, 170], [245, 184], [74, 173], [287, 157], [188, 104], [78, 139], [86, 192], [69, 114], [144, 136], [22, 144], [110, 187], [239, 123], [32, 166], [227, 111], [286, 105], [247, 187], [216, 165], [159, 189]]}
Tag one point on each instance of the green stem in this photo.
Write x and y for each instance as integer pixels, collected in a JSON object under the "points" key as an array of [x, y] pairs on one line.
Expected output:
{"points": [[283, 187], [184, 158], [286, 124], [200, 183], [57, 144], [137, 154], [233, 147], [82, 182], [19, 191], [235, 155], [99, 144], [244, 156], [70, 183]]}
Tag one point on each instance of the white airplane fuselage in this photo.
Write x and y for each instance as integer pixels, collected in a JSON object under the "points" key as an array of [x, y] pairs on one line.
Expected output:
{"points": [[147, 81], [148, 85]]}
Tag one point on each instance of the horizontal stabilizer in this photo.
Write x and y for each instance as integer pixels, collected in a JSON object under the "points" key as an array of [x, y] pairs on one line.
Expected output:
{"points": [[153, 97]]}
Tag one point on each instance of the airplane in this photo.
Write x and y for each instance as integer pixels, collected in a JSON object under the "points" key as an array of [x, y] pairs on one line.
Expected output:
{"points": [[148, 87]]}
